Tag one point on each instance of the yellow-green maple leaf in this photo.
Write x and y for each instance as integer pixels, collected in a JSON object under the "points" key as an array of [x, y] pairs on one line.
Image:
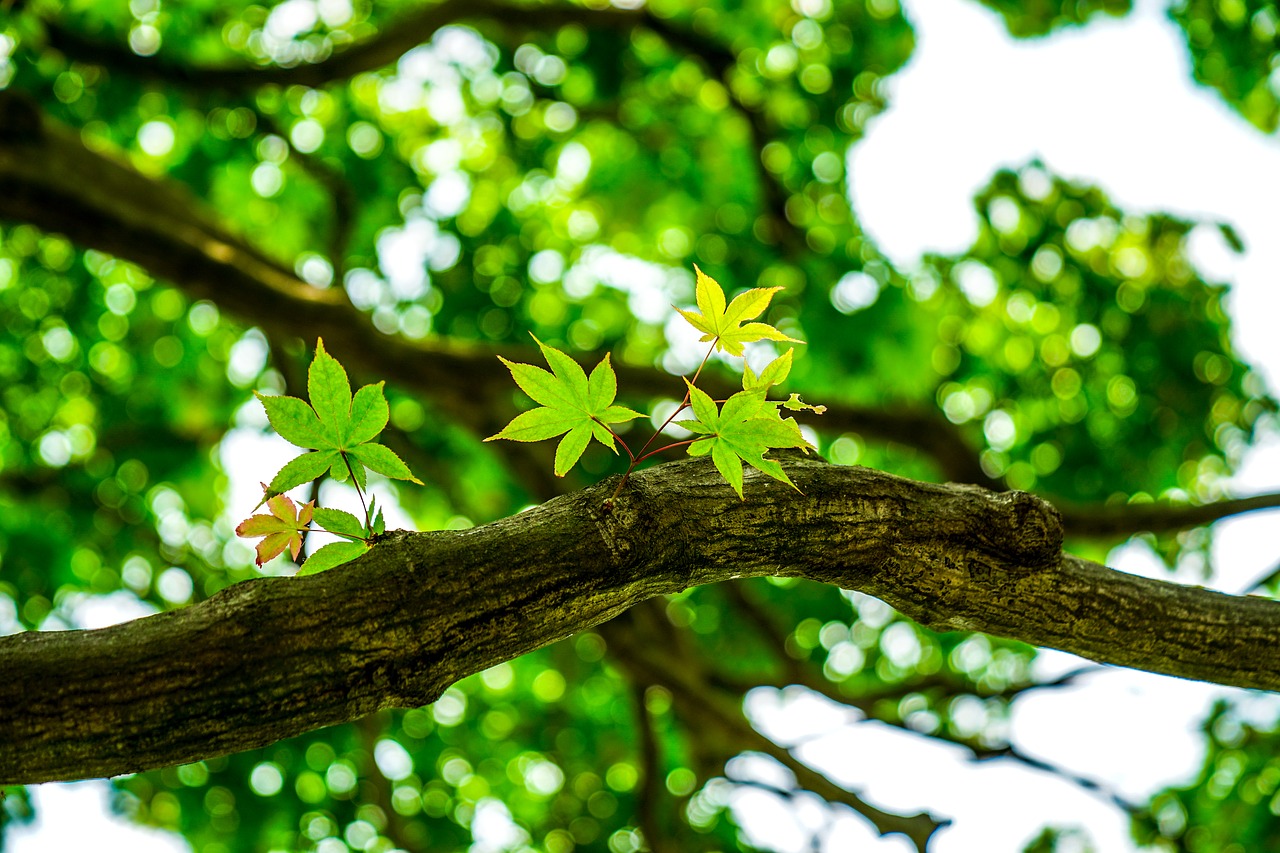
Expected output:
{"points": [[723, 323]]}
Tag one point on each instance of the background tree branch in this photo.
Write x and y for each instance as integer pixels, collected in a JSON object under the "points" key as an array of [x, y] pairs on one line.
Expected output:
{"points": [[705, 709], [56, 183], [1159, 517], [378, 51]]}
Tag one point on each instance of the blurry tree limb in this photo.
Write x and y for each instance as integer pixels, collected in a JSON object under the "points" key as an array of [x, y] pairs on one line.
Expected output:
{"points": [[275, 657], [870, 706], [716, 716], [1106, 520], [942, 684], [380, 50], [416, 28], [391, 42], [50, 179], [60, 185], [859, 710], [651, 792], [370, 729], [767, 631], [715, 721]]}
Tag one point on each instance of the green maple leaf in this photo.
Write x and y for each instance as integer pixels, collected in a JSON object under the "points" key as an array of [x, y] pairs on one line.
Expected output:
{"points": [[342, 523], [743, 430], [572, 404], [282, 528], [336, 427], [333, 554], [723, 324], [347, 526]]}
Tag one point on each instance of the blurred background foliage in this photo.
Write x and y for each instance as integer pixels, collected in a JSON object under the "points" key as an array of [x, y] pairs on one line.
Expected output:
{"points": [[1232, 804], [1235, 49], [557, 170], [1039, 17]]}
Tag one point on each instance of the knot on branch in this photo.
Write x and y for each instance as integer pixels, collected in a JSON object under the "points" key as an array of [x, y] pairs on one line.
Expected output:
{"points": [[1035, 525], [616, 519]]}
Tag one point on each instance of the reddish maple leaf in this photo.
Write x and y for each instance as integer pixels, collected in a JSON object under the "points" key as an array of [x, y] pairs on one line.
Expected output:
{"points": [[283, 528]]}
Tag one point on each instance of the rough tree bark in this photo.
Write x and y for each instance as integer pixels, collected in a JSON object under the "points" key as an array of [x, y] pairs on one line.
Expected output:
{"points": [[271, 658]]}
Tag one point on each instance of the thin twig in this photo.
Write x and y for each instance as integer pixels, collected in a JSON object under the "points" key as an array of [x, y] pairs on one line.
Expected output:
{"points": [[359, 492], [1092, 785], [1262, 581], [640, 455]]}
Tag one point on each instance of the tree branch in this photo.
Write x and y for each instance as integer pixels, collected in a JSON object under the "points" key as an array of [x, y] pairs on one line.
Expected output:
{"points": [[1107, 520], [370, 730], [392, 41], [717, 717], [941, 685], [271, 658], [649, 793], [1262, 581], [1106, 792], [868, 706], [412, 30]]}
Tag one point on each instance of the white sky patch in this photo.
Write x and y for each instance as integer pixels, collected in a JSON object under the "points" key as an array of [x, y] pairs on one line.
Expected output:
{"points": [[291, 19], [651, 288], [100, 611], [493, 828], [1113, 103], [405, 254], [854, 292], [402, 256], [74, 816], [335, 13], [448, 195]]}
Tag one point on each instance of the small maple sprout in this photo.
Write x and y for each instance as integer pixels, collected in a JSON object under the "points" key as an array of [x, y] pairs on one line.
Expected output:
{"points": [[283, 528], [337, 430], [743, 429]]}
